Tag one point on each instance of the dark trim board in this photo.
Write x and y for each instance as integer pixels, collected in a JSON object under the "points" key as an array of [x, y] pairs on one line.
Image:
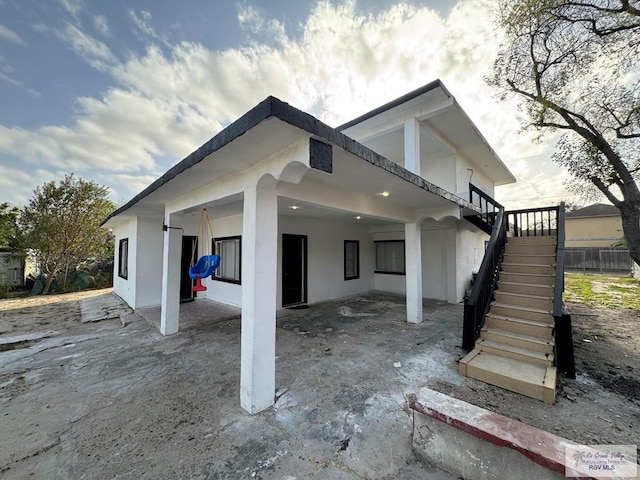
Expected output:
{"points": [[357, 265], [273, 107], [213, 249], [294, 269], [394, 103]]}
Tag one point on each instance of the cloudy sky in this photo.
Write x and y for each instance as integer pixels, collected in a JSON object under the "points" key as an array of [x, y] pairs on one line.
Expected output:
{"points": [[117, 91]]}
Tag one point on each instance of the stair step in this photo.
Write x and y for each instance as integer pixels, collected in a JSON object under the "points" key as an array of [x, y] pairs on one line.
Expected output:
{"points": [[526, 313], [525, 288], [529, 258], [528, 268], [528, 327], [535, 381], [524, 299], [530, 342], [532, 278], [533, 249], [537, 240], [511, 351]]}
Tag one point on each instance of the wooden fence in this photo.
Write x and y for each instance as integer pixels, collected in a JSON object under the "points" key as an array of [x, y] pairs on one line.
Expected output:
{"points": [[598, 259]]}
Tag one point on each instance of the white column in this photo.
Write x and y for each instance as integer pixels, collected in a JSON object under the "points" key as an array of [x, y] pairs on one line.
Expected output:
{"points": [[413, 260], [412, 145], [171, 260], [259, 270]]}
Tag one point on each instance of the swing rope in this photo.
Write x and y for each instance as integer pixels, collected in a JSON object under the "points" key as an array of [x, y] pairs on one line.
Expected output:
{"points": [[207, 264], [201, 233]]}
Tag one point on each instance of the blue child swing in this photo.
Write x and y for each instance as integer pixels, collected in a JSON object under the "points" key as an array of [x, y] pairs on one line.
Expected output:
{"points": [[206, 264]]}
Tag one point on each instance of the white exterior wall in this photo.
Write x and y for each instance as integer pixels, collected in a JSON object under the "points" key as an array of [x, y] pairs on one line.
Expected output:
{"points": [[148, 250], [142, 287], [479, 179], [325, 257], [440, 169], [443, 278], [438, 270], [126, 288], [225, 292], [470, 248], [11, 271]]}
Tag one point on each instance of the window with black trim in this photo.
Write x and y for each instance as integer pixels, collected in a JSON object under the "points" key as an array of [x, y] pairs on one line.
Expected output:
{"points": [[230, 251], [351, 259], [390, 257], [123, 258]]}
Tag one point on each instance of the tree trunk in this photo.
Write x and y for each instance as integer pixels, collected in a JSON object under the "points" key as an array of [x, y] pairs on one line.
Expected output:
{"points": [[48, 284], [631, 229]]}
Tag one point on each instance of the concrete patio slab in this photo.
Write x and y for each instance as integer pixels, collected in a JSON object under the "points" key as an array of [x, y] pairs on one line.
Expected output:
{"points": [[102, 401]]}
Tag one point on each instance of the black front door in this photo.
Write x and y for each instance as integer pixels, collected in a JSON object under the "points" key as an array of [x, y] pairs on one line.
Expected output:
{"points": [[186, 294], [294, 269]]}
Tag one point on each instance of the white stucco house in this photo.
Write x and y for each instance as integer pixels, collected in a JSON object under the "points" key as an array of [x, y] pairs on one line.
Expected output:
{"points": [[303, 212], [11, 268]]}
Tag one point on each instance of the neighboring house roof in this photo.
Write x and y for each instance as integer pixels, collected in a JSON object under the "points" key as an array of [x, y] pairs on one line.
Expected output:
{"points": [[594, 210], [272, 108], [448, 119]]}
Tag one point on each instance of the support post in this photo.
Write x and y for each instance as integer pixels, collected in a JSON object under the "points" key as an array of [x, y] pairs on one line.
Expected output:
{"points": [[412, 145], [171, 259], [259, 270], [413, 278]]}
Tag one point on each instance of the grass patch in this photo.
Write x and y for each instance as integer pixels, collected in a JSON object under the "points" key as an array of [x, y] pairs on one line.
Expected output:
{"points": [[611, 292]]}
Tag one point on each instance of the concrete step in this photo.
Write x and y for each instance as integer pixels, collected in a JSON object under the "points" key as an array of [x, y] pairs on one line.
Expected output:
{"points": [[526, 313], [534, 328], [529, 258], [533, 249], [528, 278], [524, 299], [528, 268], [525, 288], [518, 339], [518, 353], [537, 240], [532, 380]]}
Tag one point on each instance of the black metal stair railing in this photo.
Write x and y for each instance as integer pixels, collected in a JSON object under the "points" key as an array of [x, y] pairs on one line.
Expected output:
{"points": [[564, 358], [489, 209], [547, 221], [477, 305], [534, 222]]}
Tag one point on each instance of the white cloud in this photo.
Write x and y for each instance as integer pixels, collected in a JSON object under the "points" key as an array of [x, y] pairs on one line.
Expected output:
{"points": [[145, 30], [94, 51], [540, 183], [10, 35], [168, 101], [74, 7], [19, 183], [6, 72], [101, 24]]}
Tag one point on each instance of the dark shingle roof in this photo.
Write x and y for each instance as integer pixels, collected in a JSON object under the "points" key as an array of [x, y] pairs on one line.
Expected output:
{"points": [[594, 210]]}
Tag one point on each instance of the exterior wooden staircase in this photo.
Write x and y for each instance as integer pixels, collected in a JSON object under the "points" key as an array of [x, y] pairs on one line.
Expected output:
{"points": [[515, 349]]}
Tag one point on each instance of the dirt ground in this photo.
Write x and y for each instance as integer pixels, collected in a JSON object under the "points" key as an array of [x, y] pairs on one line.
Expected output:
{"points": [[96, 400], [602, 404]]}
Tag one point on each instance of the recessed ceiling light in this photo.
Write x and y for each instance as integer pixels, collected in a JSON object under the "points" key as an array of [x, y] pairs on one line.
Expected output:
{"points": [[385, 194], [358, 217], [294, 207]]}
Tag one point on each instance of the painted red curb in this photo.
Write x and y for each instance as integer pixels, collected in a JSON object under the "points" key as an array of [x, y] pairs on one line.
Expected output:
{"points": [[541, 447]]}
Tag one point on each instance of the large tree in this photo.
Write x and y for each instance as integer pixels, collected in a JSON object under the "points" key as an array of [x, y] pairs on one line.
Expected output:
{"points": [[574, 65], [61, 225], [8, 225]]}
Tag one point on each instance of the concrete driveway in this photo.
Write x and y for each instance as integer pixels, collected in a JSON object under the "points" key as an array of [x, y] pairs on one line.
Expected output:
{"points": [[97, 400]]}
